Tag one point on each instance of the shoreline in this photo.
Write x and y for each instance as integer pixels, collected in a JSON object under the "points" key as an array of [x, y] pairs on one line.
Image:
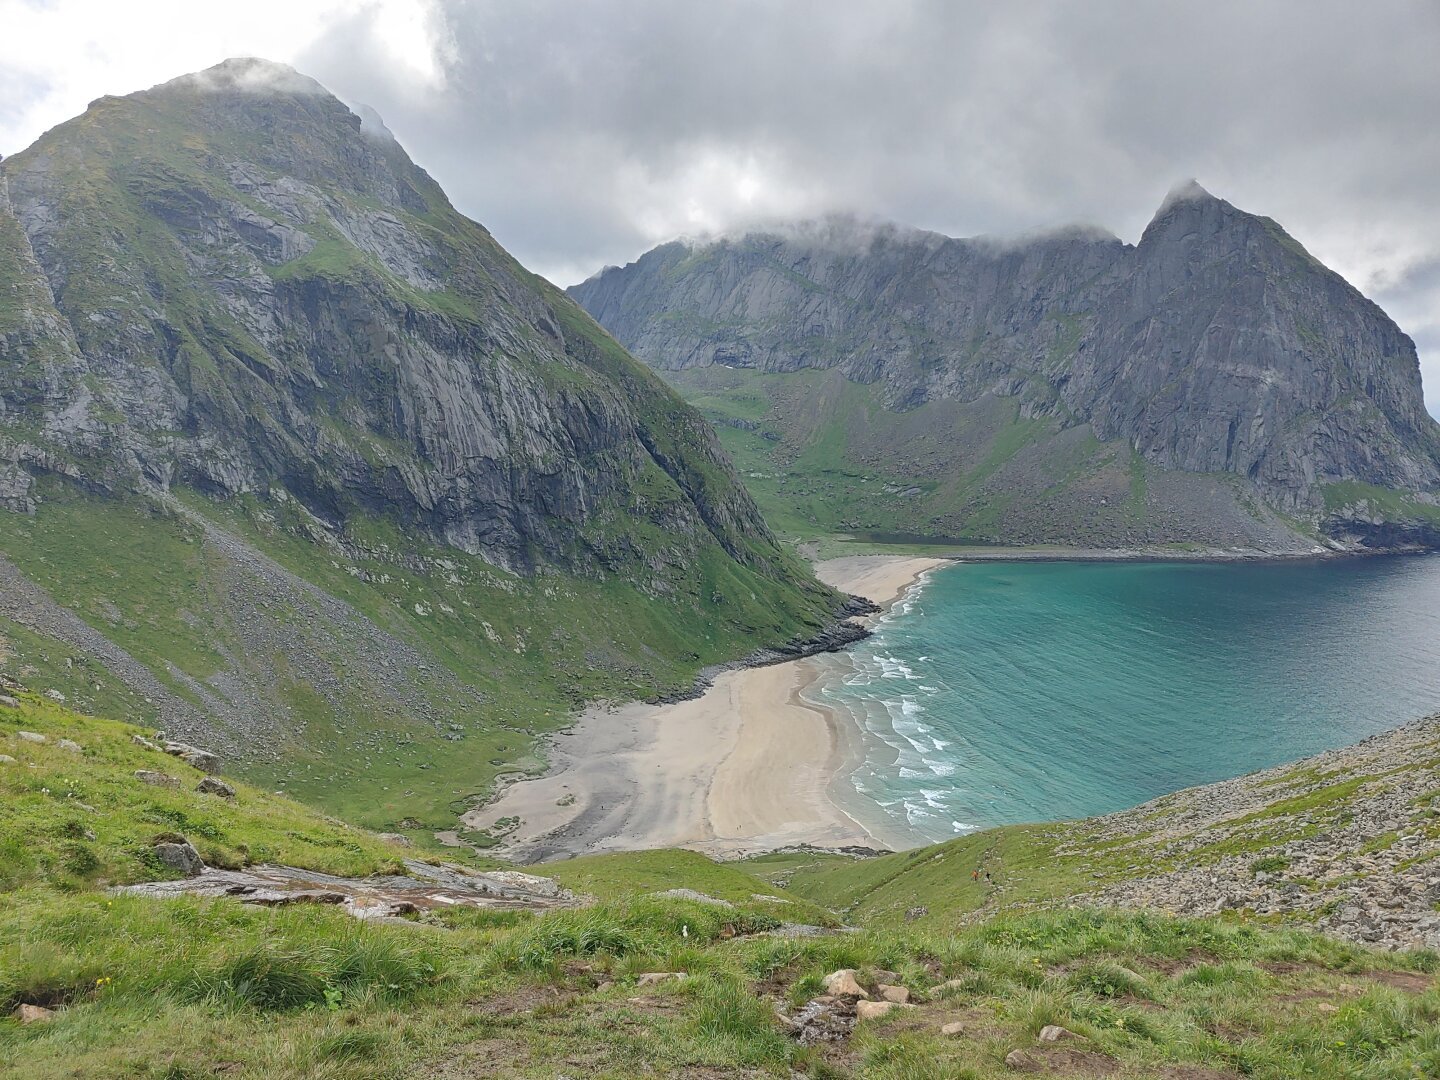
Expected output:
{"points": [[744, 767]]}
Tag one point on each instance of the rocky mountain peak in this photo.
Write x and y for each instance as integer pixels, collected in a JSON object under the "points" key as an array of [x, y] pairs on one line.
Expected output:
{"points": [[1217, 345], [250, 74], [253, 295]]}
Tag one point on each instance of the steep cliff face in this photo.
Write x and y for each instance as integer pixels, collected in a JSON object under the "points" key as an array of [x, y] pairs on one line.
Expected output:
{"points": [[240, 287], [306, 468], [1217, 345]]}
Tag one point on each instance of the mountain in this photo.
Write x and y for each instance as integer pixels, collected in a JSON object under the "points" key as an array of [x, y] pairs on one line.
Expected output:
{"points": [[1213, 383], [302, 463]]}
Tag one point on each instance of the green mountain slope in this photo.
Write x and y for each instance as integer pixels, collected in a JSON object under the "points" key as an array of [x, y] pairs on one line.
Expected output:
{"points": [[302, 465]]}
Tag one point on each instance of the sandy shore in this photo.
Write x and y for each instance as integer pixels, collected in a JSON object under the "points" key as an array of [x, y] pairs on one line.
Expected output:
{"points": [[745, 768]]}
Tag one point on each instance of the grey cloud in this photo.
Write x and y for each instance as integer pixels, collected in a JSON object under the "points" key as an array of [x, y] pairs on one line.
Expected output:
{"points": [[583, 133]]}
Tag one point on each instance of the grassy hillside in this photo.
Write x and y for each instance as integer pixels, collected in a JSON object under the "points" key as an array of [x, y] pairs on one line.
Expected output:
{"points": [[190, 988], [825, 456], [368, 672], [1346, 841], [73, 815]]}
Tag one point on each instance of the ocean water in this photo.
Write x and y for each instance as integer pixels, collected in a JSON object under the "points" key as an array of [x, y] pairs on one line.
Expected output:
{"points": [[1008, 692]]}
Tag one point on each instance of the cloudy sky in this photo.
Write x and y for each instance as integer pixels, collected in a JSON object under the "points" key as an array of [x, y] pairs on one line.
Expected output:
{"points": [[584, 132]]}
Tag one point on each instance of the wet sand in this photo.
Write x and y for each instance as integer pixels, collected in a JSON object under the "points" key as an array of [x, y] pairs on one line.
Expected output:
{"points": [[747, 767]]}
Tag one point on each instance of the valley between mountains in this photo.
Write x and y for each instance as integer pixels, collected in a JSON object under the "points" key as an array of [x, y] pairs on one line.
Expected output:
{"points": [[403, 661]]}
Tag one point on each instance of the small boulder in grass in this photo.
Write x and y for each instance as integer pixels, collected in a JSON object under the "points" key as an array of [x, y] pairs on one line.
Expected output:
{"points": [[31, 737], [32, 1014], [6, 759], [211, 785], [897, 994], [843, 983], [203, 760], [180, 855], [873, 1010], [156, 779], [69, 744], [651, 978], [1024, 1061], [952, 1030], [1053, 1033], [9, 702]]}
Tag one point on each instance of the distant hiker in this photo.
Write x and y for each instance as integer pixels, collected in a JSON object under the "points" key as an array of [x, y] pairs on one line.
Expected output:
{"points": [[975, 874]]}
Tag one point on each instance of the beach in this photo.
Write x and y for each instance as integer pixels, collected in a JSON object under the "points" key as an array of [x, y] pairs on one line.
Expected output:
{"points": [[747, 767]]}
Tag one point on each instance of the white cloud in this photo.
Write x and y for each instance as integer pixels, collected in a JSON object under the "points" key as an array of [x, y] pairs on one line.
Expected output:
{"points": [[582, 132]]}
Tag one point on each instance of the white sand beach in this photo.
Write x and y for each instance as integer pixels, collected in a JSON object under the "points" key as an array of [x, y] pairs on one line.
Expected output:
{"points": [[747, 767]]}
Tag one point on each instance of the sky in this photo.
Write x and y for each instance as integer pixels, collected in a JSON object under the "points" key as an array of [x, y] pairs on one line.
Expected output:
{"points": [[584, 132]]}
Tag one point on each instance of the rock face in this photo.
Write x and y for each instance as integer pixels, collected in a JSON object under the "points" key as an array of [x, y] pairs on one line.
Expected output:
{"points": [[228, 282], [1216, 345]]}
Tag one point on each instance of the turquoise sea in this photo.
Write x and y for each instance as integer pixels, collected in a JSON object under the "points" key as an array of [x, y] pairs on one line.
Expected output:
{"points": [[1008, 692]]}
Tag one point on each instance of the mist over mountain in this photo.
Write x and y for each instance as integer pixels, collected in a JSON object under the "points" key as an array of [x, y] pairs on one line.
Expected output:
{"points": [[1215, 347]]}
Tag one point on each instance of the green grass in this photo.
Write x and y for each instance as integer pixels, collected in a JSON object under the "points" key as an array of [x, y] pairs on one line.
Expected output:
{"points": [[1394, 505], [188, 988], [72, 819], [828, 461], [524, 652], [194, 987]]}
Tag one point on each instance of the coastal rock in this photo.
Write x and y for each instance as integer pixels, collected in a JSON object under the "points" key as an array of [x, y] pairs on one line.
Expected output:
{"points": [[1357, 864]]}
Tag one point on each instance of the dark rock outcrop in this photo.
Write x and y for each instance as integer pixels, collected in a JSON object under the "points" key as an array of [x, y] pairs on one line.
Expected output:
{"points": [[1216, 345]]}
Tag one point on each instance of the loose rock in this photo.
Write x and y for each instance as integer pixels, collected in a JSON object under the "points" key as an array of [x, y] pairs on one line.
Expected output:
{"points": [[6, 759], [873, 1010], [30, 737], [70, 745], [1024, 1061], [203, 760], [842, 983], [31, 1014], [212, 786], [897, 994], [954, 1029], [180, 856], [650, 978], [398, 839], [1053, 1033], [156, 779], [9, 702]]}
